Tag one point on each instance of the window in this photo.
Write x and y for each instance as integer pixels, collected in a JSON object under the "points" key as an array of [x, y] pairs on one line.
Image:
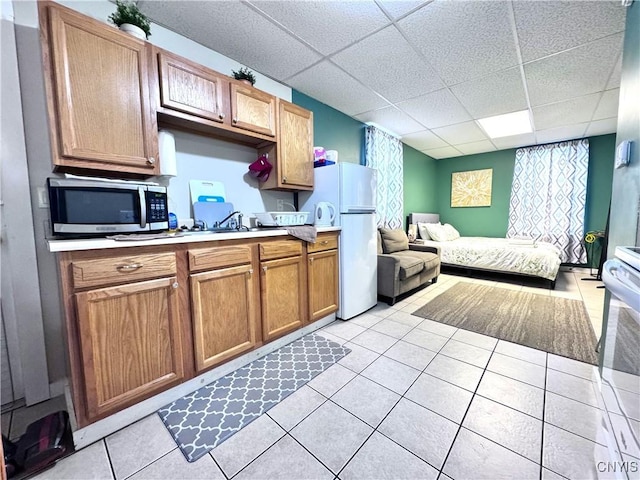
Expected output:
{"points": [[548, 196]]}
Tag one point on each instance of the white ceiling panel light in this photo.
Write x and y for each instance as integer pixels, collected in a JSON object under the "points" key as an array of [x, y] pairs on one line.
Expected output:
{"points": [[507, 125]]}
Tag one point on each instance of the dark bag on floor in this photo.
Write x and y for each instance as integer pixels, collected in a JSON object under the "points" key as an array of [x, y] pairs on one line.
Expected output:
{"points": [[44, 442]]}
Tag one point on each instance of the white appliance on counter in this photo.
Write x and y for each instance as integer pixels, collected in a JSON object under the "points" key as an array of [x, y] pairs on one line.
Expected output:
{"points": [[352, 189]]}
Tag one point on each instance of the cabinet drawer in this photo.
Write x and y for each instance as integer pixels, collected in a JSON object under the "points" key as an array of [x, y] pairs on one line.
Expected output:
{"points": [[218, 257], [106, 271], [324, 241], [280, 249]]}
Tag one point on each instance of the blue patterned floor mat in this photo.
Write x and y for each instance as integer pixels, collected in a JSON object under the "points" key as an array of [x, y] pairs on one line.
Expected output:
{"points": [[207, 417]]}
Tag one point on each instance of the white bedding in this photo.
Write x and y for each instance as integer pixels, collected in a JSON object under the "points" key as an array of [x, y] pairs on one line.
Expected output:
{"points": [[539, 259]]}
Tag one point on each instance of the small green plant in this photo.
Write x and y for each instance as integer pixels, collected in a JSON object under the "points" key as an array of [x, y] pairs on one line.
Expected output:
{"points": [[128, 12], [244, 74]]}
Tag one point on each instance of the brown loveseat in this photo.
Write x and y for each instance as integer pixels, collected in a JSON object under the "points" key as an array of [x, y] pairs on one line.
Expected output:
{"points": [[402, 266]]}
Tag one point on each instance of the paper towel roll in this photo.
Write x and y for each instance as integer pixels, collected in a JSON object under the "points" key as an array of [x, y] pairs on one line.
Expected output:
{"points": [[167, 143]]}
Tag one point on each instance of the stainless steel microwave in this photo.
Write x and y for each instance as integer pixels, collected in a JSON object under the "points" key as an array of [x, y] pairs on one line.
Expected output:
{"points": [[98, 207]]}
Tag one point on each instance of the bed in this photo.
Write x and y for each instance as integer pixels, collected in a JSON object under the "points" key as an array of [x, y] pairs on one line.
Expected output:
{"points": [[515, 257]]}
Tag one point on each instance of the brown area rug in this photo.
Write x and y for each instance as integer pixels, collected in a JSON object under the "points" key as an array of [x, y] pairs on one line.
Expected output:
{"points": [[553, 324]]}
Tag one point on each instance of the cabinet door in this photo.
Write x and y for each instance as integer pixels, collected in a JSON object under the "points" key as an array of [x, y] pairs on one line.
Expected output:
{"points": [[190, 88], [283, 299], [130, 343], [295, 146], [323, 284], [102, 116], [224, 314], [253, 109]]}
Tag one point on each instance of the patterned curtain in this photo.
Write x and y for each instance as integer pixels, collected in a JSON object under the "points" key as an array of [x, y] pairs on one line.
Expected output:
{"points": [[548, 196], [384, 153]]}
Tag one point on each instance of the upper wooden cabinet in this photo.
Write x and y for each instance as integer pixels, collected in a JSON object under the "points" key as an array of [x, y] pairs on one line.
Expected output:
{"points": [[98, 94], [195, 98], [190, 88], [253, 109], [293, 169]]}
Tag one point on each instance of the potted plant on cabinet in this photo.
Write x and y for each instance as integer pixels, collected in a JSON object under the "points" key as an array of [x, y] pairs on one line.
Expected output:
{"points": [[130, 19], [244, 75]]}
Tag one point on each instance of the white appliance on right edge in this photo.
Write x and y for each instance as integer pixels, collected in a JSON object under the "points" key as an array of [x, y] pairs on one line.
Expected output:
{"points": [[351, 188]]}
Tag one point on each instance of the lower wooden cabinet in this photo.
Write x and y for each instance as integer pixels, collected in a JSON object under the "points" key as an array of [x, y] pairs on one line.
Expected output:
{"points": [[143, 319], [130, 343], [322, 277], [225, 314], [283, 295], [323, 284]]}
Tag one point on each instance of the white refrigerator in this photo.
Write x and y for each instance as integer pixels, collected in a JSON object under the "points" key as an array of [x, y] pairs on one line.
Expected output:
{"points": [[351, 188]]}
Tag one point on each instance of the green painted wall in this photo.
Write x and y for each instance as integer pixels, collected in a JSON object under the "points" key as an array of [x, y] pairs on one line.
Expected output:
{"points": [[334, 130], [420, 186], [493, 221], [477, 221], [601, 157]]}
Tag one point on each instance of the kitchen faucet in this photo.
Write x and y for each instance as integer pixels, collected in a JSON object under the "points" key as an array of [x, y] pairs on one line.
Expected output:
{"points": [[239, 224]]}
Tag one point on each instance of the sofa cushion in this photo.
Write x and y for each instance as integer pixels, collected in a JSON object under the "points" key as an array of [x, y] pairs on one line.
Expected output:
{"points": [[394, 240], [431, 260], [409, 266], [379, 244]]}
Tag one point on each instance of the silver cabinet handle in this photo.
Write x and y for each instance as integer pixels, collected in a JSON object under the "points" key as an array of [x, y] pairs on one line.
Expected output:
{"points": [[235, 120], [151, 160], [284, 179], [175, 285], [324, 242], [311, 259], [264, 269], [221, 116], [130, 266]]}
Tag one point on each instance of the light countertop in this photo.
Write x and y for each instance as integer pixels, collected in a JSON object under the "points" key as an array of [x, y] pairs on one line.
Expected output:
{"points": [[103, 243]]}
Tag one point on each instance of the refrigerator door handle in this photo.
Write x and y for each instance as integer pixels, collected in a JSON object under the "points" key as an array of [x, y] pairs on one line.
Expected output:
{"points": [[357, 209]]}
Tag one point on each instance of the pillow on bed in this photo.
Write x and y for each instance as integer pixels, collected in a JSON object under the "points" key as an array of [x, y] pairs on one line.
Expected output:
{"points": [[423, 230], [450, 232], [436, 232]]}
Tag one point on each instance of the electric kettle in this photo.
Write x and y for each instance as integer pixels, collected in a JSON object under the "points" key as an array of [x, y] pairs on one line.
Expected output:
{"points": [[325, 214]]}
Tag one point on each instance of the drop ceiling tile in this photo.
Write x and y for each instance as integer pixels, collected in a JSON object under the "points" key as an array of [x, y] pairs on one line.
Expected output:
{"points": [[602, 127], [398, 8], [546, 27], [580, 71], [576, 110], [328, 84], [608, 106], [444, 152], [495, 94], [561, 134], [243, 39], [375, 60], [424, 140], [463, 40], [436, 109], [327, 26], [476, 147], [515, 141], [614, 81], [460, 133], [392, 119]]}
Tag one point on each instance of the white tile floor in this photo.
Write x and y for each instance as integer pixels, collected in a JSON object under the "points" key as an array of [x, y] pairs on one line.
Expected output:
{"points": [[414, 399]]}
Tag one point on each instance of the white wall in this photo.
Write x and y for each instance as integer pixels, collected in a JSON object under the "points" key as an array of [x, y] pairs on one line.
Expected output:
{"points": [[22, 312], [198, 157]]}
